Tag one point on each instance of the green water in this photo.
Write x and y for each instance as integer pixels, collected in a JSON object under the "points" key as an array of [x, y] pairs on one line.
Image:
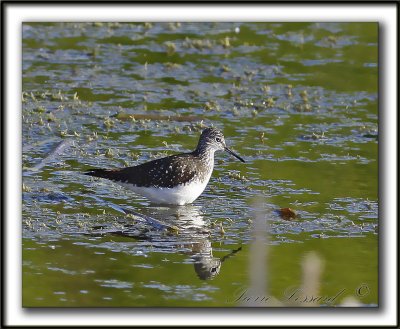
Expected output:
{"points": [[298, 101]]}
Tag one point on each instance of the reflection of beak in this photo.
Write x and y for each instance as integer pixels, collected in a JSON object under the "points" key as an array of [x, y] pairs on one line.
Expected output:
{"points": [[234, 154]]}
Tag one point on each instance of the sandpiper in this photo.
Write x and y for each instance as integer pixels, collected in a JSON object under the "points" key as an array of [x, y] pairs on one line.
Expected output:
{"points": [[174, 180]]}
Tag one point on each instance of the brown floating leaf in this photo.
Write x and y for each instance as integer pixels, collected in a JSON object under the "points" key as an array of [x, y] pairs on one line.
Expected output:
{"points": [[287, 214], [156, 117]]}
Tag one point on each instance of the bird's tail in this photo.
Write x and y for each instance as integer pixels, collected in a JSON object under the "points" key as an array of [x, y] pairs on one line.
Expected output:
{"points": [[103, 173]]}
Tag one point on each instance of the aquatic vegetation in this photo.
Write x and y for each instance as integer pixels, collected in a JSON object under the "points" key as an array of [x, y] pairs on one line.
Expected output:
{"points": [[295, 102]]}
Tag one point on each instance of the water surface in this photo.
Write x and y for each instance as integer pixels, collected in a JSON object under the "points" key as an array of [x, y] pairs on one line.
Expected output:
{"points": [[298, 101]]}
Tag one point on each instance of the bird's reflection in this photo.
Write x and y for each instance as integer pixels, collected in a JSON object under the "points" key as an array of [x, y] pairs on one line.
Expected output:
{"points": [[206, 266], [192, 235]]}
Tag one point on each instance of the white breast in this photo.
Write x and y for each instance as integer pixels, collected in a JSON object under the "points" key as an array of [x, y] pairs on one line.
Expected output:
{"points": [[178, 195]]}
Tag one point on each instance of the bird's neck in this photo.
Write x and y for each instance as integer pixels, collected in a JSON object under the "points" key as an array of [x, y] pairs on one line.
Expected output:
{"points": [[204, 153]]}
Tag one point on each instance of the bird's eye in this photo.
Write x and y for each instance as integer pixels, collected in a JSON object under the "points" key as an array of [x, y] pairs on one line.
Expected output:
{"points": [[218, 140]]}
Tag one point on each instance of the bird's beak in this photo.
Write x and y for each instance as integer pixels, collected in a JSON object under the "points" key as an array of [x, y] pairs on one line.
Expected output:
{"points": [[234, 154]]}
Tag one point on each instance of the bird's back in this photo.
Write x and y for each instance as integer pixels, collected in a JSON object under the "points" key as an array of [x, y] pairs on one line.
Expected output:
{"points": [[165, 172]]}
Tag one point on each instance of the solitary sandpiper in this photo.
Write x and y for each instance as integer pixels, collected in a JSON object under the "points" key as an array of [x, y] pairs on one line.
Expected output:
{"points": [[175, 180]]}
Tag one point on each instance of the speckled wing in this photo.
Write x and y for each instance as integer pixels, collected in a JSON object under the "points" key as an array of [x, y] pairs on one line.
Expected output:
{"points": [[166, 172]]}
